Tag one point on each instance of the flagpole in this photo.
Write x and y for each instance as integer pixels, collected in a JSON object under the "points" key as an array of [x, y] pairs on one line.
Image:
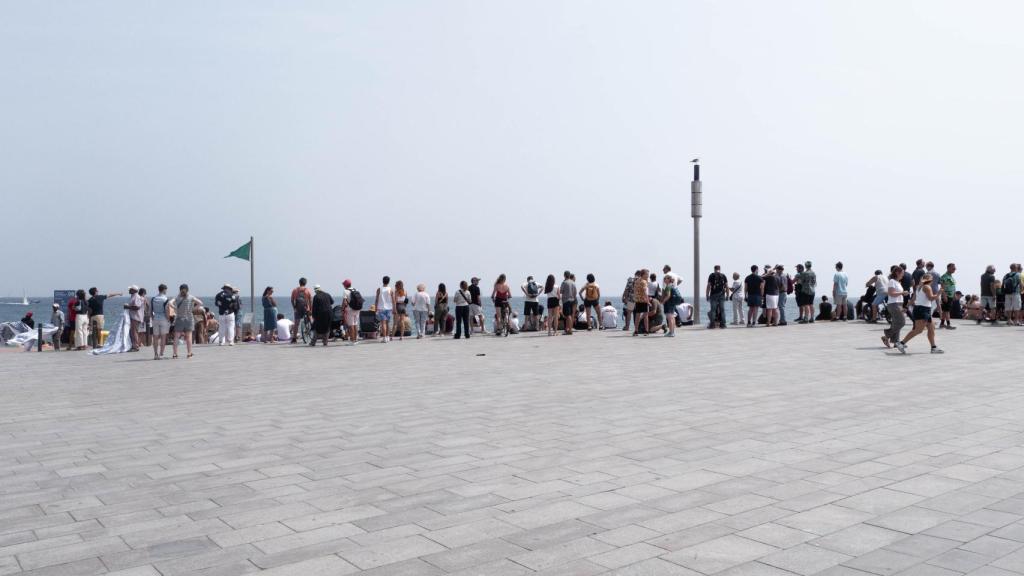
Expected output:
{"points": [[252, 286]]}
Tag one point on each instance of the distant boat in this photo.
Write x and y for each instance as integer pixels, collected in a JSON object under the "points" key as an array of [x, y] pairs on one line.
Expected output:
{"points": [[24, 299]]}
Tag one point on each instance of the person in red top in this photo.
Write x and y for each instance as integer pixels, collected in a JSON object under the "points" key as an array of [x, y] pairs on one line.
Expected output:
{"points": [[302, 304]]}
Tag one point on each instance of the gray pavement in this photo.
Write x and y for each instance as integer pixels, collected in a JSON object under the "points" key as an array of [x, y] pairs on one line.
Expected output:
{"points": [[799, 450]]}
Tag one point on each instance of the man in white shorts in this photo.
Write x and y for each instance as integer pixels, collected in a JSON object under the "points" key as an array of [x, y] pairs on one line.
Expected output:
{"points": [[351, 314]]}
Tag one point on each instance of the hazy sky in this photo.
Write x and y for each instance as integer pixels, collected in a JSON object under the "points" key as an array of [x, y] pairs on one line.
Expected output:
{"points": [[141, 141]]}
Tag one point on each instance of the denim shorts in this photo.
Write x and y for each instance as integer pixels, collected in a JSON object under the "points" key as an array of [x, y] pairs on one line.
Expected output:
{"points": [[384, 315]]}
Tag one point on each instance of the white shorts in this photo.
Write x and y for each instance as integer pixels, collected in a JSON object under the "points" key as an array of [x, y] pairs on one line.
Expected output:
{"points": [[772, 302], [1012, 303], [351, 317], [161, 326], [475, 310]]}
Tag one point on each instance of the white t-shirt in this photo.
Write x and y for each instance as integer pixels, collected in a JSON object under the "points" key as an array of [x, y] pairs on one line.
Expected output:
{"points": [[676, 278], [386, 295], [685, 311], [284, 329], [609, 317], [421, 302], [895, 284], [880, 284]]}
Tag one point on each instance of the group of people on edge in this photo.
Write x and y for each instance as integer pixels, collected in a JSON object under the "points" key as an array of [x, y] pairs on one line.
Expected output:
{"points": [[649, 305]]}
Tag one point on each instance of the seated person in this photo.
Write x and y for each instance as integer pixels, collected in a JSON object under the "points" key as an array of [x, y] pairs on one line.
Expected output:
{"points": [[684, 314], [405, 328], [824, 309], [974, 309], [513, 323], [609, 317], [283, 331], [581, 319], [430, 323], [957, 309], [28, 321]]}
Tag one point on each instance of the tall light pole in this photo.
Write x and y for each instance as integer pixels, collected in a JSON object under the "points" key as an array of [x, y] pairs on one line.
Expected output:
{"points": [[696, 211]]}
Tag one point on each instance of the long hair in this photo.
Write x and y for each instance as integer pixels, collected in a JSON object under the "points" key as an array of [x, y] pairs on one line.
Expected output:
{"points": [[441, 289], [267, 291], [500, 280], [399, 288], [549, 284]]}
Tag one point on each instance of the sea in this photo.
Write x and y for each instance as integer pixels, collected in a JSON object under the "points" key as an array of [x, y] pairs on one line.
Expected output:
{"points": [[41, 307]]}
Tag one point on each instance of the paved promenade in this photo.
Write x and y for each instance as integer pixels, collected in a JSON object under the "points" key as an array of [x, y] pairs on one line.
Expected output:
{"points": [[799, 450]]}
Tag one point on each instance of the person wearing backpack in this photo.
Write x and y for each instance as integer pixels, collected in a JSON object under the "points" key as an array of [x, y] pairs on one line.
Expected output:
{"points": [[1011, 295], [302, 302], [531, 307], [671, 298], [715, 292], [351, 305], [592, 299]]}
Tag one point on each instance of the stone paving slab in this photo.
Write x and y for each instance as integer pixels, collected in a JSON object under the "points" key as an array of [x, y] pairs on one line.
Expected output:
{"points": [[800, 450]]}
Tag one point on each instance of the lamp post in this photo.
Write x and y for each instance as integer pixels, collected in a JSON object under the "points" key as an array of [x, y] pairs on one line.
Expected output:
{"points": [[696, 211]]}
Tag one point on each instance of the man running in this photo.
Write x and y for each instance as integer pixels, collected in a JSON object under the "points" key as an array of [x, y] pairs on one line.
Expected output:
{"points": [[302, 305]]}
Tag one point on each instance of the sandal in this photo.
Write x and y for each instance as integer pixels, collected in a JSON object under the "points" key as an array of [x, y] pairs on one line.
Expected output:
{"points": [[174, 356], [189, 355]]}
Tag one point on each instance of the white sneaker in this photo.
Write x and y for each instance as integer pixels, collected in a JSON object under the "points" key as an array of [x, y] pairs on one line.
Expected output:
{"points": [[901, 347], [937, 351]]}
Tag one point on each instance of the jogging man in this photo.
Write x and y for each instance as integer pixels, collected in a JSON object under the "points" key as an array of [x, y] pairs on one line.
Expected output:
{"points": [[302, 306]]}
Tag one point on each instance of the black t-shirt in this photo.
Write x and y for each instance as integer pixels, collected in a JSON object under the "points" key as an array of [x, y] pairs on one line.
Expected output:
{"points": [[986, 284], [96, 305], [918, 274], [752, 284], [771, 286], [906, 282], [717, 282], [474, 294]]}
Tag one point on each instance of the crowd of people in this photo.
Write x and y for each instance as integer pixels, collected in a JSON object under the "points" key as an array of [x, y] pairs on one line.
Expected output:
{"points": [[651, 304]]}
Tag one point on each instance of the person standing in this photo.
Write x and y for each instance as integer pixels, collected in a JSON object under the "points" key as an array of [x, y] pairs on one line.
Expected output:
{"points": [[896, 293], [715, 294], [641, 304], [839, 294], [136, 310], [1011, 295], [82, 319], [476, 309], [226, 303], [462, 300], [351, 306], [184, 319], [161, 321], [531, 307], [269, 314], [147, 319], [948, 283], [670, 299], [323, 308], [753, 287], [628, 301], [401, 305], [384, 305], [591, 300], [881, 287], [554, 305], [736, 297], [567, 293], [989, 301], [441, 310], [57, 319], [202, 321], [95, 314], [421, 309], [771, 298], [924, 297], [785, 289], [808, 285], [302, 302]]}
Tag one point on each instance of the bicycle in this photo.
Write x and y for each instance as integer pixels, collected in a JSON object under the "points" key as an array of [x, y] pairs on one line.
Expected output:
{"points": [[504, 319], [306, 329]]}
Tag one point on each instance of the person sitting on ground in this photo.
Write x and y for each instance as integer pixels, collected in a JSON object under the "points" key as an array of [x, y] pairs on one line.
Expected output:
{"points": [[28, 321], [974, 309], [824, 309], [956, 310], [581, 318], [684, 313], [283, 329], [513, 323], [609, 316], [658, 316]]}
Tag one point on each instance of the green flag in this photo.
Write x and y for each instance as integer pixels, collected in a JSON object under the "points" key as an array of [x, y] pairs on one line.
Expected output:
{"points": [[242, 251]]}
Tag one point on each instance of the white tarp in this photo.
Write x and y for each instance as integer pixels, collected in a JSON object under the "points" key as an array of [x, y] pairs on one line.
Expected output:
{"points": [[27, 338], [118, 339]]}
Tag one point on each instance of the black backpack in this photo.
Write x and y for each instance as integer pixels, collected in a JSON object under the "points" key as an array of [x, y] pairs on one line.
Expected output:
{"points": [[1010, 284], [355, 299], [532, 289]]}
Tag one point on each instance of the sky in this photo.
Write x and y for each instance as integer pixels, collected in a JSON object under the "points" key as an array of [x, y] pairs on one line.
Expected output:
{"points": [[142, 141]]}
